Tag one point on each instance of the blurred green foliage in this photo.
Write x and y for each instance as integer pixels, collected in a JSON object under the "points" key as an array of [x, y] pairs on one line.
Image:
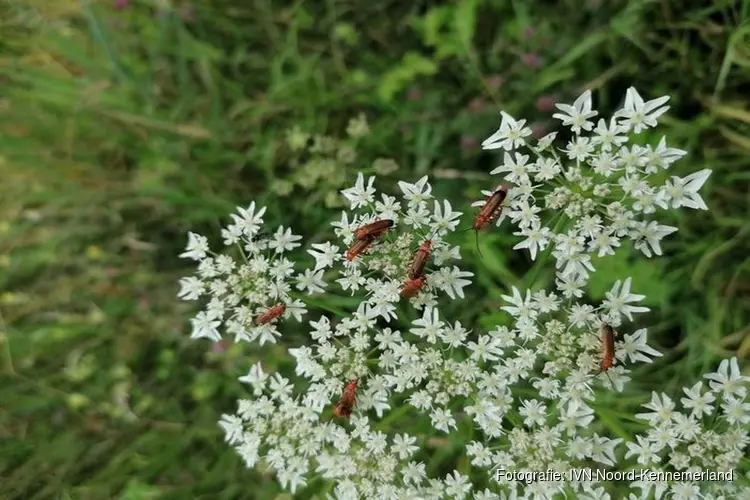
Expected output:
{"points": [[123, 127]]}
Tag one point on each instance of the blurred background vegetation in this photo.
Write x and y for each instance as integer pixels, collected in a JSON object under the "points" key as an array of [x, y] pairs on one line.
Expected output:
{"points": [[124, 124]]}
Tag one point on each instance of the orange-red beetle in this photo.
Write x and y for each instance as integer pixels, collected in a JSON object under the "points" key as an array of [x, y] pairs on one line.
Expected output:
{"points": [[366, 236], [607, 335], [358, 248], [491, 208], [416, 268], [348, 399], [413, 286], [373, 229], [271, 314]]}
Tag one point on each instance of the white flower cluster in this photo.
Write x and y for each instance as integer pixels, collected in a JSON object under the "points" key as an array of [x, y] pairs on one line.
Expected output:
{"points": [[601, 189], [533, 404], [379, 265], [711, 433], [521, 396], [416, 364], [290, 437], [568, 335], [445, 372], [247, 297]]}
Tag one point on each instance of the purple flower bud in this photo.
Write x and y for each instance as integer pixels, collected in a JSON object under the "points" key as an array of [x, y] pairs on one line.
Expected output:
{"points": [[468, 142], [528, 32], [477, 104], [121, 4], [545, 103], [531, 60], [495, 81], [538, 130], [414, 94]]}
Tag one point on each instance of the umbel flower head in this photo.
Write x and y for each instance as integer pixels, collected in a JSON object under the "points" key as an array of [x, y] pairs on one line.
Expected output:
{"points": [[600, 189], [522, 396], [249, 296], [545, 428], [293, 438], [709, 433], [392, 249]]}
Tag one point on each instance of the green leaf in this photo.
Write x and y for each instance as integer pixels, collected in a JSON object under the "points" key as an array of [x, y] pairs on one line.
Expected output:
{"points": [[465, 21], [136, 490], [581, 49], [412, 66], [431, 26], [648, 277]]}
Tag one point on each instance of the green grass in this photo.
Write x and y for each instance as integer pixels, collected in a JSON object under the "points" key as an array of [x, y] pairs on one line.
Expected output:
{"points": [[121, 130]]}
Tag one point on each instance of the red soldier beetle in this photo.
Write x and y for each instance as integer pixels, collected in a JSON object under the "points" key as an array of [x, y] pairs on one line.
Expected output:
{"points": [[348, 399], [490, 210], [413, 286], [358, 248], [607, 334], [373, 229], [271, 314], [366, 236], [418, 263]]}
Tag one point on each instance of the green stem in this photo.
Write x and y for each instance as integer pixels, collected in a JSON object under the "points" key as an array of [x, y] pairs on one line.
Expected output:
{"points": [[5, 341], [320, 304], [394, 415]]}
